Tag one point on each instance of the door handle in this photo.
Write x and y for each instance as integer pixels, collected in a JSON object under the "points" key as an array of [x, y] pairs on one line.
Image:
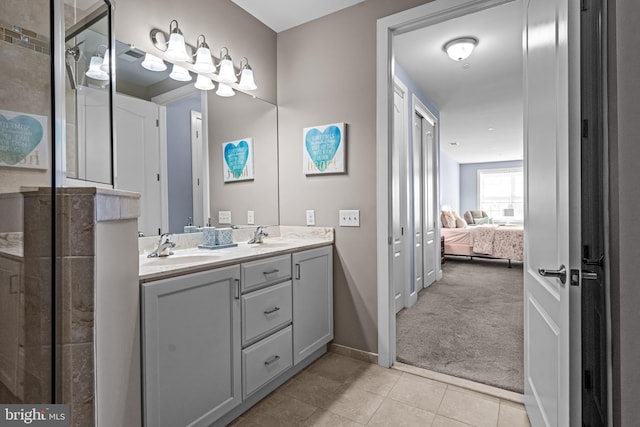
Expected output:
{"points": [[560, 273]]}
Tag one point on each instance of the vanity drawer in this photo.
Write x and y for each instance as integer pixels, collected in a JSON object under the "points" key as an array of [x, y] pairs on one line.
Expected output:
{"points": [[256, 274], [266, 360], [265, 310]]}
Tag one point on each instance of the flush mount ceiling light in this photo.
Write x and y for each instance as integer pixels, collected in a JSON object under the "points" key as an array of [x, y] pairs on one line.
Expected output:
{"points": [[153, 63], [460, 49], [204, 63], [176, 50]]}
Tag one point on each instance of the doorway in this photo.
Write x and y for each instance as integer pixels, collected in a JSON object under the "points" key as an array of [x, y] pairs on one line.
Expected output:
{"points": [[550, 50]]}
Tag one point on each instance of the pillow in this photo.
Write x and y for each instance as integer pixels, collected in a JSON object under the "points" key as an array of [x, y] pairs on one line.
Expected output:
{"points": [[448, 220], [483, 220], [460, 222]]}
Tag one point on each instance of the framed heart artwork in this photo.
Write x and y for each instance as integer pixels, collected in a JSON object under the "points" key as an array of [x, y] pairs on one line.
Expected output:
{"points": [[237, 160], [323, 149], [24, 141]]}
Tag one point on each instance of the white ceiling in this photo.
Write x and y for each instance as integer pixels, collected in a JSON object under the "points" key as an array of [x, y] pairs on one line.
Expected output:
{"points": [[280, 15], [482, 92]]}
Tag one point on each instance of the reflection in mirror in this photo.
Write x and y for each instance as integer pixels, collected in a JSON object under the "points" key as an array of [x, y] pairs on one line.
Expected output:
{"points": [[169, 148], [88, 112]]}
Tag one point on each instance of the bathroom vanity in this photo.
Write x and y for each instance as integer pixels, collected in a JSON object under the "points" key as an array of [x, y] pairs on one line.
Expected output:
{"points": [[223, 328]]}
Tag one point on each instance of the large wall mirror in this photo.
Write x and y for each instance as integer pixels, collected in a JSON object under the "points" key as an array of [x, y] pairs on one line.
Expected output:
{"points": [[88, 41], [169, 148]]}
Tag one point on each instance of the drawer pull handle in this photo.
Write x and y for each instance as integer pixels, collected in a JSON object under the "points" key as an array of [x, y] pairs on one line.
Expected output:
{"points": [[268, 273], [273, 310], [271, 360]]}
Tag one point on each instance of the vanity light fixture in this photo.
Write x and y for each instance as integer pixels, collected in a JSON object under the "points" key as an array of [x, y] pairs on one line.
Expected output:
{"points": [[204, 63], [153, 63], [246, 76], [94, 71], [204, 83], [226, 74], [180, 74], [224, 90], [460, 49], [176, 50], [105, 62]]}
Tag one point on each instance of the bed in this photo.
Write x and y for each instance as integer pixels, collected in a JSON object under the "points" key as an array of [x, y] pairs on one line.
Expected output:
{"points": [[489, 240]]}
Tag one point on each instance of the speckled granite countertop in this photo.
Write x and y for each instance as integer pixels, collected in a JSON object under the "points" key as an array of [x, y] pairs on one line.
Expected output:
{"points": [[11, 245], [187, 258]]}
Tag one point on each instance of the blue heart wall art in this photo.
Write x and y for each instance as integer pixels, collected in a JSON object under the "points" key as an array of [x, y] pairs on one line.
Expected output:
{"points": [[324, 149], [23, 140], [238, 160]]}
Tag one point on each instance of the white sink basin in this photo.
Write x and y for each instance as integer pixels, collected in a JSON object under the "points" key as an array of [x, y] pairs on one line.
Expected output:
{"points": [[178, 259]]}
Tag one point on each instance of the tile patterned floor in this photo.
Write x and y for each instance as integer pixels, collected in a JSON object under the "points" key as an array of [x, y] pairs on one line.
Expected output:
{"points": [[337, 390]]}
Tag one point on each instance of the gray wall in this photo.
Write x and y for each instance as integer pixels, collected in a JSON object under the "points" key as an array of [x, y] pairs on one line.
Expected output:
{"points": [[624, 110], [223, 23], [326, 74], [449, 182]]}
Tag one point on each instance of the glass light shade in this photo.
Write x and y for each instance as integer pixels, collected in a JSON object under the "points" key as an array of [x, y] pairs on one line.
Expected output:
{"points": [[180, 74], [246, 80], [177, 51], [105, 62], [204, 62], [227, 73], [204, 83], [94, 70], [153, 63], [460, 49], [225, 90]]}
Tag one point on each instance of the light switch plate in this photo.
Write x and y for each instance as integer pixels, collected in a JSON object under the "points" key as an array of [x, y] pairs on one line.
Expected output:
{"points": [[224, 217], [250, 218], [349, 218], [311, 217]]}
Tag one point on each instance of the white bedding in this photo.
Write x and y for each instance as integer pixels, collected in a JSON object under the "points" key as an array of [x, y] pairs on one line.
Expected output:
{"points": [[493, 240]]}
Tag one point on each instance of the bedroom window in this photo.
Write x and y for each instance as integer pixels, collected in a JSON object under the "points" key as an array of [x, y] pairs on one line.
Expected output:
{"points": [[500, 193]]}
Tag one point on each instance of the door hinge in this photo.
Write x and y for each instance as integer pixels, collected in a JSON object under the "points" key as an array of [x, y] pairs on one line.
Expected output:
{"points": [[584, 5], [157, 123], [198, 181], [402, 231], [587, 380], [585, 128], [158, 176], [390, 240], [159, 232]]}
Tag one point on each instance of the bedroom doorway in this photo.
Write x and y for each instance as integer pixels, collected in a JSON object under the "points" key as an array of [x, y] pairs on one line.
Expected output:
{"points": [[469, 323], [550, 31]]}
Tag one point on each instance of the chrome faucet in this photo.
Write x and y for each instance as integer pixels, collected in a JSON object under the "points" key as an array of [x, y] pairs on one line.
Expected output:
{"points": [[258, 235], [164, 246]]}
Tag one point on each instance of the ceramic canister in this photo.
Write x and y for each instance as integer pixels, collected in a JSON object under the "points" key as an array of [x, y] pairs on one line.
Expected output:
{"points": [[224, 236], [208, 236]]}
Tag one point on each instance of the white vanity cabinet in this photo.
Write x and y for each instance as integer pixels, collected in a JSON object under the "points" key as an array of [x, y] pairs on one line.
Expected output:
{"points": [[218, 341], [191, 347], [312, 301]]}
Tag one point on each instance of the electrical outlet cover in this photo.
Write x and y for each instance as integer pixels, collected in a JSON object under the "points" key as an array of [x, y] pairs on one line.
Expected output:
{"points": [[311, 217]]}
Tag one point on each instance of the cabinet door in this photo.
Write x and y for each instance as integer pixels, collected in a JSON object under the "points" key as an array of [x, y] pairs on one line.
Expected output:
{"points": [[191, 347], [312, 301]]}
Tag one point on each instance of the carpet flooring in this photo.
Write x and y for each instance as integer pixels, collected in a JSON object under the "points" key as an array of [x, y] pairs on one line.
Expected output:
{"points": [[469, 324]]}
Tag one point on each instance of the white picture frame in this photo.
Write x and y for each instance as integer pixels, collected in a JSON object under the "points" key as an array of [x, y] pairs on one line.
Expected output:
{"points": [[24, 140], [237, 160], [323, 149]]}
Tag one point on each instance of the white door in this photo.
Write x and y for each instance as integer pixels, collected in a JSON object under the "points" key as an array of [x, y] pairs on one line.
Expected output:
{"points": [[398, 241], [418, 210], [197, 155], [546, 308], [429, 205], [138, 158]]}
